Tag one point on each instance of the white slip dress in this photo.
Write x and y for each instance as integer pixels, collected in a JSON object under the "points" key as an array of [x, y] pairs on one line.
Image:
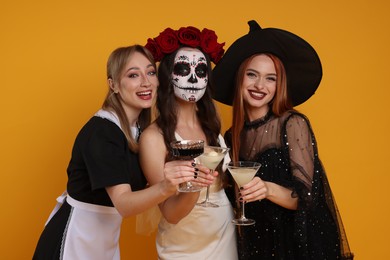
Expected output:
{"points": [[205, 233]]}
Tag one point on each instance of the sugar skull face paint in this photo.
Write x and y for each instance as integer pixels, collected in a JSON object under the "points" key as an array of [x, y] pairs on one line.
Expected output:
{"points": [[189, 76]]}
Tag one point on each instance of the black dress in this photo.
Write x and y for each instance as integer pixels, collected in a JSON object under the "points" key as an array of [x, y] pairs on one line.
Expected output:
{"points": [[286, 148], [100, 158]]}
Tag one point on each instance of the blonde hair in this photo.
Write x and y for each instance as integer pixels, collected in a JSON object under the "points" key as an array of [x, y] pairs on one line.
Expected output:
{"points": [[115, 65]]}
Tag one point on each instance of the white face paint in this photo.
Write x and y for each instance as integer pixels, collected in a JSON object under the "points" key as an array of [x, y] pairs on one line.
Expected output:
{"points": [[189, 76]]}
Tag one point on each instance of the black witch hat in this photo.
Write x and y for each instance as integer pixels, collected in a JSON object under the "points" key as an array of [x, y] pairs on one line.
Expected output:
{"points": [[302, 64]]}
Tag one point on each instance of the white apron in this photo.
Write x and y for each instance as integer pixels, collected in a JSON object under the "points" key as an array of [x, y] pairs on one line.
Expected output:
{"points": [[92, 231]]}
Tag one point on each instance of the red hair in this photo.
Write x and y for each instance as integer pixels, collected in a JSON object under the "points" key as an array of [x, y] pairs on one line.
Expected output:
{"points": [[280, 103]]}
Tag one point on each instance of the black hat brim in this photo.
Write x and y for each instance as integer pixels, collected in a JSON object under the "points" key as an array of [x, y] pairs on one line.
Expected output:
{"points": [[301, 62]]}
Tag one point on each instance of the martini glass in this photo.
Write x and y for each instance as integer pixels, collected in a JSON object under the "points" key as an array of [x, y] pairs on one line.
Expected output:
{"points": [[210, 158], [243, 172], [187, 150]]}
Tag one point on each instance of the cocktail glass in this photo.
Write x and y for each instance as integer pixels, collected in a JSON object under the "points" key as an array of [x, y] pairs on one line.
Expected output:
{"points": [[243, 172], [187, 150], [211, 158]]}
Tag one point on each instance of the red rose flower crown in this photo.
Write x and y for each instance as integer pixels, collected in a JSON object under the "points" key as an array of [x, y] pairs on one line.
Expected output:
{"points": [[170, 40]]}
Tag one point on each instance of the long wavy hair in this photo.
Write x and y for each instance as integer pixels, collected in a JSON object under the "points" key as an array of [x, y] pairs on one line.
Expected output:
{"points": [[167, 105], [115, 68], [279, 104]]}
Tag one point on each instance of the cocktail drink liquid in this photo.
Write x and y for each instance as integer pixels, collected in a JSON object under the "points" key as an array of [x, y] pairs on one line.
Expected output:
{"points": [[211, 159], [186, 153], [243, 175]]}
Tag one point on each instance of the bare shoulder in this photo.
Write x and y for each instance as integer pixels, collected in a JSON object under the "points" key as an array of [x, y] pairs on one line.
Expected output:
{"points": [[151, 133], [152, 139]]}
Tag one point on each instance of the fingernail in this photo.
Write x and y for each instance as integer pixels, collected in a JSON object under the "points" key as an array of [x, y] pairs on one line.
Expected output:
{"points": [[196, 173], [196, 169], [195, 176], [241, 188], [193, 164]]}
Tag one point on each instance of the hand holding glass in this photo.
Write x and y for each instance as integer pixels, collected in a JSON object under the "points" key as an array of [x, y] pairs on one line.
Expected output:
{"points": [[243, 172], [187, 150], [210, 158]]}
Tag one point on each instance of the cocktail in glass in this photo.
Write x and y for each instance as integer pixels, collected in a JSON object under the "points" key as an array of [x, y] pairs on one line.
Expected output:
{"points": [[211, 158], [243, 172], [187, 150]]}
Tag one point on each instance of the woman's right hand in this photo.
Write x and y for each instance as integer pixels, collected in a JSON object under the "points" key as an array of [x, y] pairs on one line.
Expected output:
{"points": [[176, 172], [204, 176]]}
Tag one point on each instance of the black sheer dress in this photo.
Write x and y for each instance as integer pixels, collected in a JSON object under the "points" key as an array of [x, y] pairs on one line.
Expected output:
{"points": [[287, 150]]}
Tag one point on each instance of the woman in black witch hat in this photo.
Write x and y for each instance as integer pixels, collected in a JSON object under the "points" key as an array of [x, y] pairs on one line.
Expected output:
{"points": [[264, 74]]}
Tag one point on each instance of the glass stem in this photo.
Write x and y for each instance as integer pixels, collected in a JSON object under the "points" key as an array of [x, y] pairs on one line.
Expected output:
{"points": [[207, 194], [208, 188], [243, 210]]}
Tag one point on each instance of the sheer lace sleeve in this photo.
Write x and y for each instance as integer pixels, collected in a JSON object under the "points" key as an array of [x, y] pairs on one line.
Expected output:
{"points": [[300, 144], [317, 210], [301, 148]]}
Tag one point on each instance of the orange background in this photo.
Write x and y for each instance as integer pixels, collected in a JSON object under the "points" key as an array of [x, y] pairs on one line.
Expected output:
{"points": [[52, 64]]}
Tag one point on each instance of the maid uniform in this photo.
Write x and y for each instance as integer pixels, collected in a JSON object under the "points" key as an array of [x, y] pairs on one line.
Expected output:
{"points": [[85, 224]]}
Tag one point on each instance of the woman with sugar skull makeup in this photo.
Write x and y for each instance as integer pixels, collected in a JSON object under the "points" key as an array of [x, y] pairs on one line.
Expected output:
{"points": [[186, 111]]}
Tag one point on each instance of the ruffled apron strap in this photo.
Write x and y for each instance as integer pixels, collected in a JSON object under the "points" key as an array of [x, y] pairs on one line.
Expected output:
{"points": [[60, 201]]}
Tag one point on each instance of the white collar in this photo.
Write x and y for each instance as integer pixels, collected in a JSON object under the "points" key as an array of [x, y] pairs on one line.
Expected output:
{"points": [[110, 115]]}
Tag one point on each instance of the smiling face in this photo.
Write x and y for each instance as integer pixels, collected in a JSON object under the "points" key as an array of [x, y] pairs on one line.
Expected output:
{"points": [[137, 83], [259, 85], [189, 76]]}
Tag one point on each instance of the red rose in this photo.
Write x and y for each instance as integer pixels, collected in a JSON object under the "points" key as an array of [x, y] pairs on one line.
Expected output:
{"points": [[208, 40], [167, 40], [217, 53], [210, 45], [170, 40], [189, 36], [153, 47]]}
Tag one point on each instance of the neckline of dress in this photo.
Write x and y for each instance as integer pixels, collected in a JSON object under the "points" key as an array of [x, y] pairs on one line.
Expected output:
{"points": [[260, 121]]}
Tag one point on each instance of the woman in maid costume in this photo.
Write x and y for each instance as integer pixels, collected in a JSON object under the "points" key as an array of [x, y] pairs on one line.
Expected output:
{"points": [[105, 181]]}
